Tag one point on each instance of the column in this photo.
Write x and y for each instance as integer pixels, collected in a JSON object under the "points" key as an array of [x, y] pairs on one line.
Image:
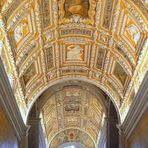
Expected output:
{"points": [[24, 139], [121, 138], [33, 137]]}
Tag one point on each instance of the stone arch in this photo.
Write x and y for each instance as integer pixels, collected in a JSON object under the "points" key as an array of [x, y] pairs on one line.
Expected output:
{"points": [[113, 99]]}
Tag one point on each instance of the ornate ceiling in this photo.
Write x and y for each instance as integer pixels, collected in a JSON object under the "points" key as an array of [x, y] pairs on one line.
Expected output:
{"points": [[70, 135], [72, 115], [103, 41]]}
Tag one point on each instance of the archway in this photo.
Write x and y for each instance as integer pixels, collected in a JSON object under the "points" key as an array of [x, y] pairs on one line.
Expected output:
{"points": [[65, 80], [79, 105]]}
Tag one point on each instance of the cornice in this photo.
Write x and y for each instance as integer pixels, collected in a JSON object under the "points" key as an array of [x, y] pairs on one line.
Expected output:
{"points": [[10, 106]]}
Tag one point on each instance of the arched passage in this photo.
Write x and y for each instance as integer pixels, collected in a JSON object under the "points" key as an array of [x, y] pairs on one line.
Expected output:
{"points": [[63, 80], [76, 104]]}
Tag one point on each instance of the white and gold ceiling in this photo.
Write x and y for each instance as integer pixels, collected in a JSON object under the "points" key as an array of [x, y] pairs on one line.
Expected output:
{"points": [[101, 41]]}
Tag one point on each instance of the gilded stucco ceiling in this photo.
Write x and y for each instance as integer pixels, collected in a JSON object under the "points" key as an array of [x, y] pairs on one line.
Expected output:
{"points": [[103, 41], [72, 114]]}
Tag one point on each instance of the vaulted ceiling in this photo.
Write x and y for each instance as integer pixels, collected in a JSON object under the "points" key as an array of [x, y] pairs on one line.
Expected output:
{"points": [[72, 111], [102, 41], [72, 114]]}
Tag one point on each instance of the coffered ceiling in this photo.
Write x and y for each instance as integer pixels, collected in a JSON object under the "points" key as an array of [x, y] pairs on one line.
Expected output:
{"points": [[103, 41]]}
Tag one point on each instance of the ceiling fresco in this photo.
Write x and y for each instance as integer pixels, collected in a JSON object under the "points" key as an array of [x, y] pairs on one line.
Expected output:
{"points": [[74, 113], [104, 41]]}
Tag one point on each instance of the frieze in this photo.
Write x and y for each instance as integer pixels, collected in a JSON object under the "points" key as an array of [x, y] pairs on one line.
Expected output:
{"points": [[77, 25], [76, 40], [74, 70], [75, 31]]}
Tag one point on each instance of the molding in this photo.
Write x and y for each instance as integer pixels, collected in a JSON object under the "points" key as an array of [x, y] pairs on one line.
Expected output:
{"points": [[137, 109], [9, 105]]}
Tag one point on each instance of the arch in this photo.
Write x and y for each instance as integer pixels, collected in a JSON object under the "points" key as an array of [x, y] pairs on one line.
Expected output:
{"points": [[71, 128], [61, 86], [78, 79]]}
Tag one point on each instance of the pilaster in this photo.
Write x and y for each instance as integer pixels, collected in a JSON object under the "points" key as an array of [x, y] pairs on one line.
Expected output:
{"points": [[9, 104], [33, 138]]}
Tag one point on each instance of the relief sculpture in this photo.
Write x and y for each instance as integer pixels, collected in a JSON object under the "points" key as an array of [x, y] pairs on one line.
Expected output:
{"points": [[75, 52], [133, 32], [21, 30]]}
